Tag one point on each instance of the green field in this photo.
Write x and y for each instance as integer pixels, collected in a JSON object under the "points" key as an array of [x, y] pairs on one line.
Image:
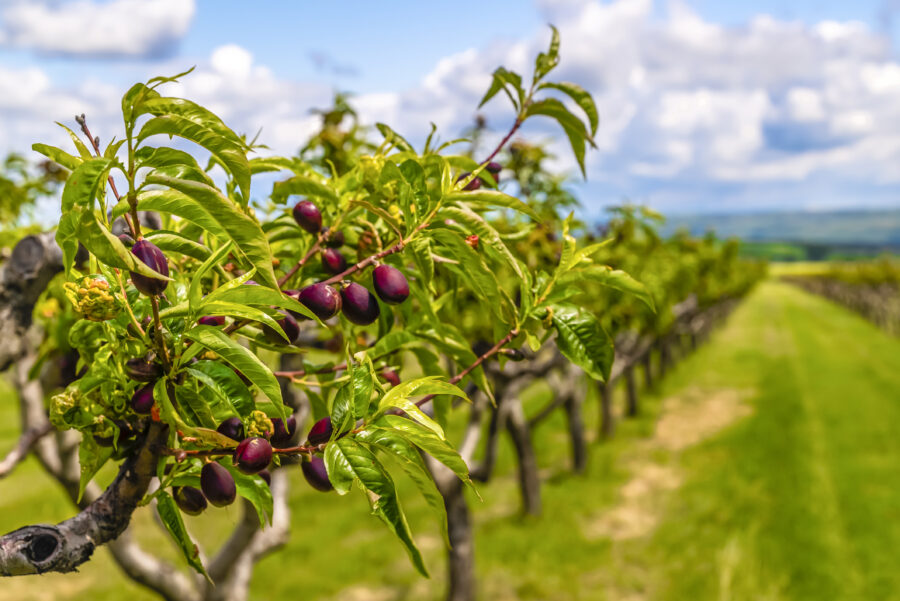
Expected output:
{"points": [[767, 467]]}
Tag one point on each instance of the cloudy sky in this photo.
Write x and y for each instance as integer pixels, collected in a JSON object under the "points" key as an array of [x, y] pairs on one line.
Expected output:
{"points": [[706, 106]]}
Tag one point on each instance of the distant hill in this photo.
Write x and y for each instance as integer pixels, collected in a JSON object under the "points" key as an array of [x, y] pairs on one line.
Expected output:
{"points": [[838, 228]]}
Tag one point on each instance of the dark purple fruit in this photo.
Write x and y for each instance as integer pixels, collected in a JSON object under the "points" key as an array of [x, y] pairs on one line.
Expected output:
{"points": [[390, 284], [333, 261], [334, 239], [390, 376], [321, 299], [284, 431], [150, 255], [189, 500], [359, 305], [315, 473], [212, 320], [217, 485], [127, 240], [308, 216], [142, 370], [494, 169], [233, 428], [253, 455], [289, 326], [321, 431], [266, 476], [142, 400]]}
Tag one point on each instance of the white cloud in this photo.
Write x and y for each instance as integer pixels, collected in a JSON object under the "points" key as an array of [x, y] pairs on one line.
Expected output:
{"points": [[133, 28]]}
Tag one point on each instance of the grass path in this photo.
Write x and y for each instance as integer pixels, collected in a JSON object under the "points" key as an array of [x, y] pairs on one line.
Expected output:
{"points": [[790, 491]]}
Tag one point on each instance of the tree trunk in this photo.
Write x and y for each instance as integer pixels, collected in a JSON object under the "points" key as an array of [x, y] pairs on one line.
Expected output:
{"points": [[631, 392], [461, 556], [576, 433], [529, 481], [648, 369], [607, 422]]}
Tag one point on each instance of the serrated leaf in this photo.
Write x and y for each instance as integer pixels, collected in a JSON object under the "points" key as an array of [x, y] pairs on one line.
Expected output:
{"points": [[582, 340], [241, 359], [399, 397], [225, 384], [492, 199], [347, 461]]}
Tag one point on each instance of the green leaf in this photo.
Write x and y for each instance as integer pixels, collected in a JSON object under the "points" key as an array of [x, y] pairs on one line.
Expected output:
{"points": [[241, 359], [306, 186], [258, 295], [487, 235], [492, 199], [239, 311], [189, 399], [171, 518], [240, 227], [254, 489], [58, 155], [109, 249], [181, 205], [83, 150], [348, 461], [429, 442], [582, 340], [174, 242], [91, 458], [195, 292], [572, 125], [225, 384], [394, 138], [504, 79], [183, 118], [611, 278], [85, 183], [547, 61], [581, 97], [411, 462], [399, 397]]}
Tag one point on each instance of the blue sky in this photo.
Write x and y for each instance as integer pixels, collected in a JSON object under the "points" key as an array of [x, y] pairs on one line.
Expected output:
{"points": [[705, 106]]}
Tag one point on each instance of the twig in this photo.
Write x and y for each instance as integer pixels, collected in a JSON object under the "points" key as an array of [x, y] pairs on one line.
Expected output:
{"points": [[23, 447]]}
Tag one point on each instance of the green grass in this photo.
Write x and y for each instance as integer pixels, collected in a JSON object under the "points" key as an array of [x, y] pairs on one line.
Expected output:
{"points": [[799, 500]]}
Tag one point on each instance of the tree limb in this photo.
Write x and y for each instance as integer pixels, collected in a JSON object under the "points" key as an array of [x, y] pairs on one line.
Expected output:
{"points": [[22, 448]]}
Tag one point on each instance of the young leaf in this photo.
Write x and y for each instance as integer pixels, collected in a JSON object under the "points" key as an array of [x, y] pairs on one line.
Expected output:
{"points": [[581, 97], [492, 199], [582, 340], [171, 518]]}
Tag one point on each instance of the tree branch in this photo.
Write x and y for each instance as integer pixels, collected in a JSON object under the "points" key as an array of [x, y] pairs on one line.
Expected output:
{"points": [[21, 450]]}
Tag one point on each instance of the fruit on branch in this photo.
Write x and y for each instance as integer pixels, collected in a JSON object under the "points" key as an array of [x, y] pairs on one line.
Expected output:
{"points": [[217, 484], [359, 305], [321, 299], [494, 169], [212, 320], [308, 216], [233, 428], [472, 185], [288, 325], [333, 261], [253, 455], [150, 255], [92, 299], [142, 400], [390, 284], [391, 376], [334, 239], [321, 431], [283, 431], [142, 370], [315, 473], [189, 500]]}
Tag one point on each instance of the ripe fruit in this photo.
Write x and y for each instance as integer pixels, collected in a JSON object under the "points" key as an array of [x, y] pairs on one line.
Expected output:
{"points": [[212, 320], [308, 216], [494, 169], [391, 377], [252, 455], [333, 261], [233, 428], [189, 500], [284, 431], [150, 255], [217, 485], [321, 431], [390, 284], [142, 370], [334, 239], [315, 473], [359, 305], [321, 299], [289, 326], [142, 400]]}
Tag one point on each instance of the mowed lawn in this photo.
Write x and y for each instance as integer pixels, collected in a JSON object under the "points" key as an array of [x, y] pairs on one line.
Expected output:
{"points": [[792, 492]]}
